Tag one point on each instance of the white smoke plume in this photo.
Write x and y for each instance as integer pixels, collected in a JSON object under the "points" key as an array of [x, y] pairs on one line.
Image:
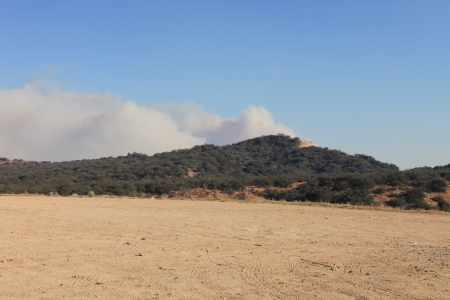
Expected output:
{"points": [[44, 123]]}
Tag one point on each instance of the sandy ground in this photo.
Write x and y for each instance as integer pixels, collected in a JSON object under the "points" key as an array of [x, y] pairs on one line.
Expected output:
{"points": [[111, 248]]}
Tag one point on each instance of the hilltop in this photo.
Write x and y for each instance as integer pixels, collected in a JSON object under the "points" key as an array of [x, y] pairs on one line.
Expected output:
{"points": [[4, 160]]}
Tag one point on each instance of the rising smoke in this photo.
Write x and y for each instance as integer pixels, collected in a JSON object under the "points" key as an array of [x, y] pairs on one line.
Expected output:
{"points": [[42, 122]]}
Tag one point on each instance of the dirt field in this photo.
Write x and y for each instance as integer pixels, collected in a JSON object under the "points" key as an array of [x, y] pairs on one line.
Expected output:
{"points": [[111, 248]]}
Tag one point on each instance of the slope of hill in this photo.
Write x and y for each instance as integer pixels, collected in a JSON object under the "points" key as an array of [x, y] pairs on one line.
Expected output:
{"points": [[271, 163], [267, 155]]}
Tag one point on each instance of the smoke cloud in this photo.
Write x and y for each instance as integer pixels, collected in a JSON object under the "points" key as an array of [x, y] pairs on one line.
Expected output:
{"points": [[41, 122]]}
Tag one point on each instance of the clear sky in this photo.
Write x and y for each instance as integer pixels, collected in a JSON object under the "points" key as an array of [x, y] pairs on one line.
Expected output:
{"points": [[370, 77]]}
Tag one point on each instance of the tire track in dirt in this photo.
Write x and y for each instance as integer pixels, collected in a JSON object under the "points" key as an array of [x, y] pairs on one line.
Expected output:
{"points": [[261, 274], [195, 280], [205, 278]]}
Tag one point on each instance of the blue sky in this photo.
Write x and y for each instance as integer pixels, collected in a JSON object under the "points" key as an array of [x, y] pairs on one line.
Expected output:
{"points": [[369, 77]]}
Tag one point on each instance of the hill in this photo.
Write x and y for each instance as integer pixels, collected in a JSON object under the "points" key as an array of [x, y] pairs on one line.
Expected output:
{"points": [[273, 155], [274, 167]]}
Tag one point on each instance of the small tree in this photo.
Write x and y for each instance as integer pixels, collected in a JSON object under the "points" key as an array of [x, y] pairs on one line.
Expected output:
{"points": [[413, 196], [442, 203], [437, 185]]}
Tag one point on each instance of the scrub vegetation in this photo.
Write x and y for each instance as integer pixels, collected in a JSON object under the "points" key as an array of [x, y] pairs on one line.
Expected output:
{"points": [[272, 162]]}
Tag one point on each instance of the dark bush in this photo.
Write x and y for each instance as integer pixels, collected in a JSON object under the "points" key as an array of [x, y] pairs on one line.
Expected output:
{"points": [[394, 178], [326, 180], [442, 204], [263, 182], [163, 188], [283, 182], [65, 189], [362, 182], [355, 197], [413, 196], [318, 194], [438, 199], [397, 202], [341, 185], [273, 194], [437, 186], [379, 190], [445, 174], [420, 205]]}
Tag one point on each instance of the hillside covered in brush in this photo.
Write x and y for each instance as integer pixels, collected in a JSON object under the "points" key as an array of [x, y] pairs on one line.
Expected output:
{"points": [[264, 156], [273, 167]]}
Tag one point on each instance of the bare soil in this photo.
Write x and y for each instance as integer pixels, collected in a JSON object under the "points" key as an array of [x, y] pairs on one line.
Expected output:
{"points": [[123, 248]]}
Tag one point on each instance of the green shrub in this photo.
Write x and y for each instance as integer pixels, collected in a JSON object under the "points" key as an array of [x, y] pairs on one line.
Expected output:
{"points": [[283, 182], [438, 199], [318, 194], [420, 205], [379, 190], [273, 194], [442, 204], [413, 196], [355, 197], [397, 202], [362, 182], [341, 185], [410, 199], [263, 182], [394, 178], [437, 186]]}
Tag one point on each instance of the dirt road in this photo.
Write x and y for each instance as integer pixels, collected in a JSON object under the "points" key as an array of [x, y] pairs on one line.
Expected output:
{"points": [[112, 248]]}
